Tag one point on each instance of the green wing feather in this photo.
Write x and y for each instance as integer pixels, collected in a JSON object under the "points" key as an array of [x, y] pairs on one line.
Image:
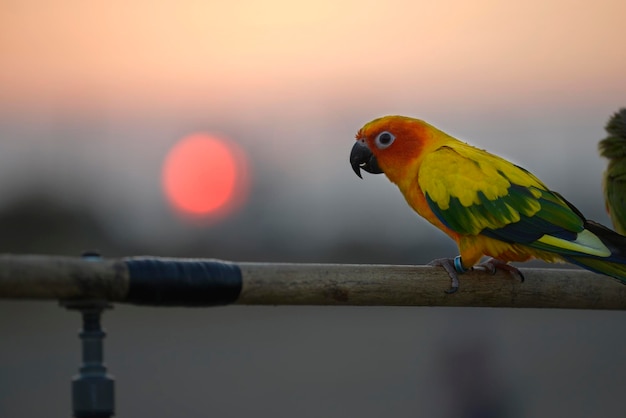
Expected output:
{"points": [[615, 194], [474, 192]]}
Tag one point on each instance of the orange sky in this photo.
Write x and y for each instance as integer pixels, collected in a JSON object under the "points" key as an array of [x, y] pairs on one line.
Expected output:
{"points": [[148, 53]]}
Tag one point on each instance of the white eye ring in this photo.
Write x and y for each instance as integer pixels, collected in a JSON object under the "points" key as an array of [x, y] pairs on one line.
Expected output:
{"points": [[384, 139]]}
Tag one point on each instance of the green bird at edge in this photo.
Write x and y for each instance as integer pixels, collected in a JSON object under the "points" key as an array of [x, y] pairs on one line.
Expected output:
{"points": [[613, 147]]}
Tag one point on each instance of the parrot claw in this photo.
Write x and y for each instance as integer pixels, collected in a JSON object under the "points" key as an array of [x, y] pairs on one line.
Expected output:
{"points": [[454, 267], [448, 265], [493, 264]]}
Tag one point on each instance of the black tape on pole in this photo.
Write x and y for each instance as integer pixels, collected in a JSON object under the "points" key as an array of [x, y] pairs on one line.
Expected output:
{"points": [[175, 282]]}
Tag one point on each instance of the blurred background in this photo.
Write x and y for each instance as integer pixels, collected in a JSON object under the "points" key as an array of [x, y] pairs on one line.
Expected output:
{"points": [[223, 130]]}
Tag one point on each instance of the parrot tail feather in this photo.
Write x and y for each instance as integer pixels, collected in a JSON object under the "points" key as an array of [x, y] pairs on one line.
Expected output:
{"points": [[615, 270], [615, 264]]}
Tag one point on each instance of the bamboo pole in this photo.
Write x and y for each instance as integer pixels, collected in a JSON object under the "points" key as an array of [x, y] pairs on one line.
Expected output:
{"points": [[206, 282]]}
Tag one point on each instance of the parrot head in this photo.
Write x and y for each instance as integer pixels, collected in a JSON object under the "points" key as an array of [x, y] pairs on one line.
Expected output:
{"points": [[614, 145], [390, 145]]}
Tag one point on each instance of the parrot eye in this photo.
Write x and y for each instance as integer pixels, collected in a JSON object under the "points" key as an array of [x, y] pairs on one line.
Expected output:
{"points": [[384, 139]]}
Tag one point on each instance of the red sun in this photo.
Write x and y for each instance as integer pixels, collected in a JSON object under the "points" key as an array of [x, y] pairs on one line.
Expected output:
{"points": [[204, 175]]}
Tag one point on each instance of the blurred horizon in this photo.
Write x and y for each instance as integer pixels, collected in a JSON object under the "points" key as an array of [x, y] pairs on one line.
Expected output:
{"points": [[105, 90]]}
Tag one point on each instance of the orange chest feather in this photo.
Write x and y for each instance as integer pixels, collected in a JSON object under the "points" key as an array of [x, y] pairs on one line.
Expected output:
{"points": [[416, 199]]}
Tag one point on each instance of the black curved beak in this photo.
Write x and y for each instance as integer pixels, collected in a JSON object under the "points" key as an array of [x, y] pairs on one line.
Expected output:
{"points": [[362, 158]]}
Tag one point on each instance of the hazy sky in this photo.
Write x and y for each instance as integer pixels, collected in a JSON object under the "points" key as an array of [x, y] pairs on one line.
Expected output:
{"points": [[147, 55]]}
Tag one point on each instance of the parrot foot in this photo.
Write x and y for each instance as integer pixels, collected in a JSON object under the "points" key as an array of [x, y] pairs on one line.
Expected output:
{"points": [[453, 267], [493, 264]]}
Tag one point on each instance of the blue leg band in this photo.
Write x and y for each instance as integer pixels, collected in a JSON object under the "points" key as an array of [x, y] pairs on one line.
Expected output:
{"points": [[458, 265]]}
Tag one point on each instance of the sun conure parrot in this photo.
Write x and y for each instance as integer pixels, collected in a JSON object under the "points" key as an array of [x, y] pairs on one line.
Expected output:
{"points": [[488, 205], [613, 147]]}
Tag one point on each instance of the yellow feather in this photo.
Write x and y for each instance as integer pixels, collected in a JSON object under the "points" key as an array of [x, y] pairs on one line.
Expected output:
{"points": [[586, 243], [481, 172]]}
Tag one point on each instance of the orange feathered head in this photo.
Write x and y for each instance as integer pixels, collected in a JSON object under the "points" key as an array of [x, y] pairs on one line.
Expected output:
{"points": [[390, 145]]}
